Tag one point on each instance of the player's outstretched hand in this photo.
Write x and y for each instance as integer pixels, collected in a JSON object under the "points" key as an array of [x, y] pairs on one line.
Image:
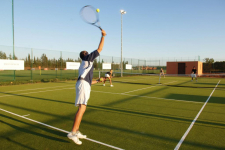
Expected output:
{"points": [[103, 33]]}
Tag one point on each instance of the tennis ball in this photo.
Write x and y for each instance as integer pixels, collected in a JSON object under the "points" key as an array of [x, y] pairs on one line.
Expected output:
{"points": [[98, 10], [101, 79]]}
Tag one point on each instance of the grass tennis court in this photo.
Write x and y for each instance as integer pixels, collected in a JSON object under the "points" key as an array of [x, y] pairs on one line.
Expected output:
{"points": [[137, 113]]}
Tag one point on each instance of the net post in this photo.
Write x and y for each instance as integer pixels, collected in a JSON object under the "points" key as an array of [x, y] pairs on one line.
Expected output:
{"points": [[159, 79]]}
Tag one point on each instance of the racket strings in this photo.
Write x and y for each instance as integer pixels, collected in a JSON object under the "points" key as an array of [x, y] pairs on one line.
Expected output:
{"points": [[89, 15]]}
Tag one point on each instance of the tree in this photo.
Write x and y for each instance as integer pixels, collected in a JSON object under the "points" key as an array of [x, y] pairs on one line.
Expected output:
{"points": [[29, 62], [44, 60], [2, 55], [209, 60], [34, 63], [78, 60], [208, 65]]}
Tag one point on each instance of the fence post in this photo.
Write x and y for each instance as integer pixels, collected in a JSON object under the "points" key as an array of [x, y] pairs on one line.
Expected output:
{"points": [[61, 65], [99, 63], [56, 67], [112, 64], [31, 65], [131, 64]]}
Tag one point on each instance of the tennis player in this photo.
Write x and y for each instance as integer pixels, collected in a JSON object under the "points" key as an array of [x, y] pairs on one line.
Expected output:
{"points": [[193, 74], [162, 72], [108, 75], [83, 89]]}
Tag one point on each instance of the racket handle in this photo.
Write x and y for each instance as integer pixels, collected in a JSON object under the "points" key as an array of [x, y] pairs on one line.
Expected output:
{"points": [[100, 28]]}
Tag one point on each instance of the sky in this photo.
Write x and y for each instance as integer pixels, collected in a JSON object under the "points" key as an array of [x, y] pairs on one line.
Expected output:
{"points": [[151, 28]]}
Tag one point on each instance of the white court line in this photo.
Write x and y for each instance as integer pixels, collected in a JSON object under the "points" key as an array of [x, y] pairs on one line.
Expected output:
{"points": [[193, 122], [170, 82], [139, 89], [164, 98], [147, 87], [35, 89], [149, 97], [59, 129], [36, 92], [26, 115]]}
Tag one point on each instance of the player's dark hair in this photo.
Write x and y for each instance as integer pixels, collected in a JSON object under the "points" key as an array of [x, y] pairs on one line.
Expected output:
{"points": [[82, 54]]}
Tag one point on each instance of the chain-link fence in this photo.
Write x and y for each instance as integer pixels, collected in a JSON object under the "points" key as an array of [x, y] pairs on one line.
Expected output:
{"points": [[44, 65]]}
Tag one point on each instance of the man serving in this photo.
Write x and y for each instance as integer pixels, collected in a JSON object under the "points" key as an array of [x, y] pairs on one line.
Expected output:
{"points": [[83, 89]]}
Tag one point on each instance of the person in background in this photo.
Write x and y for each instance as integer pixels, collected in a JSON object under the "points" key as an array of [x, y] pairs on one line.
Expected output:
{"points": [[162, 72], [193, 74], [108, 75]]}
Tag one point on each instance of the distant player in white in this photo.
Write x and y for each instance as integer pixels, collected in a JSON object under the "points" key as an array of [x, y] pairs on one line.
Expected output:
{"points": [[162, 72], [83, 89], [193, 74], [108, 75]]}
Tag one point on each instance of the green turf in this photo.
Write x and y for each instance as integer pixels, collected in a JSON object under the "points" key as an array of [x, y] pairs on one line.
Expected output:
{"points": [[137, 113]]}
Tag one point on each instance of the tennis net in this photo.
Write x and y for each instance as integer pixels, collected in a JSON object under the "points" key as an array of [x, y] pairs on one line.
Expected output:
{"points": [[176, 80]]}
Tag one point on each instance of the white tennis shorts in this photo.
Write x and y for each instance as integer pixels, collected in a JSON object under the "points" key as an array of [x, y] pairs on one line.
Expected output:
{"points": [[107, 75], [193, 75], [83, 90]]}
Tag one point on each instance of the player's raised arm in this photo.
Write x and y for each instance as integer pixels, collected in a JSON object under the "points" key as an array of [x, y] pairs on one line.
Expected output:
{"points": [[101, 44]]}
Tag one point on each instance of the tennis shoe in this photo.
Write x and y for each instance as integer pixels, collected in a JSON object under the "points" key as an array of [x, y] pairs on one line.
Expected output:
{"points": [[111, 85], [74, 138], [80, 135], [103, 84]]}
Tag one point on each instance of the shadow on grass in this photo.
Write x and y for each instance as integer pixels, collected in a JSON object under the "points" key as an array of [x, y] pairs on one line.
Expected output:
{"points": [[34, 127], [14, 142], [102, 127], [98, 126], [37, 98], [144, 94], [197, 98], [205, 87]]}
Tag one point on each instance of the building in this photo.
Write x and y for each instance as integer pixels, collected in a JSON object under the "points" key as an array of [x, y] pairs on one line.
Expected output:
{"points": [[184, 67]]}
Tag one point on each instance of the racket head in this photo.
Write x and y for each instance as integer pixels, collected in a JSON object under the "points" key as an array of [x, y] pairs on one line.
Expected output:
{"points": [[88, 14]]}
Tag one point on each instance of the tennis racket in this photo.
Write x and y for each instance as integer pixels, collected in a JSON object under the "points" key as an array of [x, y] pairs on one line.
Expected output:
{"points": [[89, 15]]}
